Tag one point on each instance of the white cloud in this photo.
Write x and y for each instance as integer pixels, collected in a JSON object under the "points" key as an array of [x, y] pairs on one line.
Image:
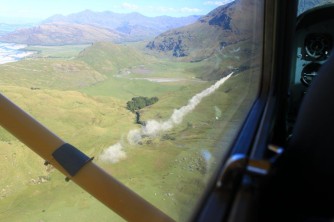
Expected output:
{"points": [[218, 3]]}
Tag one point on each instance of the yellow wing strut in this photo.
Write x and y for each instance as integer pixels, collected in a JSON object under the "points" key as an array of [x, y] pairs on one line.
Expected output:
{"points": [[86, 174]]}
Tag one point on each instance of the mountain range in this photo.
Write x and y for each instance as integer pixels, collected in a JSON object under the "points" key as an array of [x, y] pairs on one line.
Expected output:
{"points": [[193, 38], [179, 37], [7, 28], [62, 34], [132, 24], [88, 26]]}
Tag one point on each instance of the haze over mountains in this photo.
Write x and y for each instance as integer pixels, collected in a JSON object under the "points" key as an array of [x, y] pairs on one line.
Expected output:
{"points": [[88, 26], [7, 28], [62, 34], [193, 38], [132, 24]]}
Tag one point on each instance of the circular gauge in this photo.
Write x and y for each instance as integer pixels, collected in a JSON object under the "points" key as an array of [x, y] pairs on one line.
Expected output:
{"points": [[309, 73], [317, 46]]}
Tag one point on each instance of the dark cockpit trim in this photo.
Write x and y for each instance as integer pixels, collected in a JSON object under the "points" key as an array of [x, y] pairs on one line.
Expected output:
{"points": [[315, 15]]}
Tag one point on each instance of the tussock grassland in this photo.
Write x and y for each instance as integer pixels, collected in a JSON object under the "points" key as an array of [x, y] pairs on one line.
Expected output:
{"points": [[83, 101], [29, 191], [110, 58], [65, 51], [49, 74]]}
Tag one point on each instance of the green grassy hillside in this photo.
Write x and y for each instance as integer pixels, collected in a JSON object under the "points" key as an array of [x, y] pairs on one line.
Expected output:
{"points": [[83, 100], [29, 191], [129, 70], [49, 74], [65, 51], [110, 58]]}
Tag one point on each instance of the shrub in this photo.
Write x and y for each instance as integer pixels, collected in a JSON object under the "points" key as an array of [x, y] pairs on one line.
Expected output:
{"points": [[140, 102]]}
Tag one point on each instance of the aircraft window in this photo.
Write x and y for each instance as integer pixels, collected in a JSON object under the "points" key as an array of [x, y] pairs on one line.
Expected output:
{"points": [[157, 100], [305, 5]]}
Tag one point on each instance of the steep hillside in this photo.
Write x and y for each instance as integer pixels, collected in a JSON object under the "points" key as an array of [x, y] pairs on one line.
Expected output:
{"points": [[7, 28], [134, 24], [226, 25], [110, 58], [62, 33]]}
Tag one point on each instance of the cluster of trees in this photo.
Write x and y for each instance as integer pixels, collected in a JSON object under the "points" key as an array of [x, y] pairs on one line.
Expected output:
{"points": [[140, 102]]}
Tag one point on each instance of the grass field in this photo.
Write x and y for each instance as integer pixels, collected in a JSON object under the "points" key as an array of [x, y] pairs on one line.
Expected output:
{"points": [[83, 101], [64, 52]]}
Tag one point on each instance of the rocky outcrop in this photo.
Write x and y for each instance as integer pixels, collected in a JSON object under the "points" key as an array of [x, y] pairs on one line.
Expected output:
{"points": [[212, 31], [224, 26], [174, 41], [222, 20]]}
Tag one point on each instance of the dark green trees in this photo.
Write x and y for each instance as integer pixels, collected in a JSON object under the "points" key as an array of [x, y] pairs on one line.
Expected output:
{"points": [[140, 102]]}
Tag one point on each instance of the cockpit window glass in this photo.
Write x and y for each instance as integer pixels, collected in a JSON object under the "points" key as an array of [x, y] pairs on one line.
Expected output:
{"points": [[305, 5], [155, 91]]}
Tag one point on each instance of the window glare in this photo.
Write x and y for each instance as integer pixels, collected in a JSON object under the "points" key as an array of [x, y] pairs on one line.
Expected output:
{"points": [[156, 92]]}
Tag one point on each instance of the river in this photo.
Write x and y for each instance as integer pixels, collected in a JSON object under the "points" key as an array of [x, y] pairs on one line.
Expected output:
{"points": [[11, 52]]}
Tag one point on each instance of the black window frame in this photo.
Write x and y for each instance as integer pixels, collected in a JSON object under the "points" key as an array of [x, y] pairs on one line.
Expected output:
{"points": [[264, 124]]}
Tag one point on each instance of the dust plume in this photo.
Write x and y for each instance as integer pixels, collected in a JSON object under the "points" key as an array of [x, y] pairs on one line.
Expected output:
{"points": [[113, 154], [153, 128]]}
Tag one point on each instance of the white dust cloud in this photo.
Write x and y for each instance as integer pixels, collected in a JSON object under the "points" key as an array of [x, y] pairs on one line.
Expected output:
{"points": [[113, 154], [153, 128]]}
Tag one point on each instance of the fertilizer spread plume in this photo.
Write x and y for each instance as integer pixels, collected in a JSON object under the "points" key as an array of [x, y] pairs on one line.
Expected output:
{"points": [[113, 154], [153, 127]]}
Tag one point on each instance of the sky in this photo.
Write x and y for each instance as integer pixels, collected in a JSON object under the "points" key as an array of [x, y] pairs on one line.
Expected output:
{"points": [[33, 10]]}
